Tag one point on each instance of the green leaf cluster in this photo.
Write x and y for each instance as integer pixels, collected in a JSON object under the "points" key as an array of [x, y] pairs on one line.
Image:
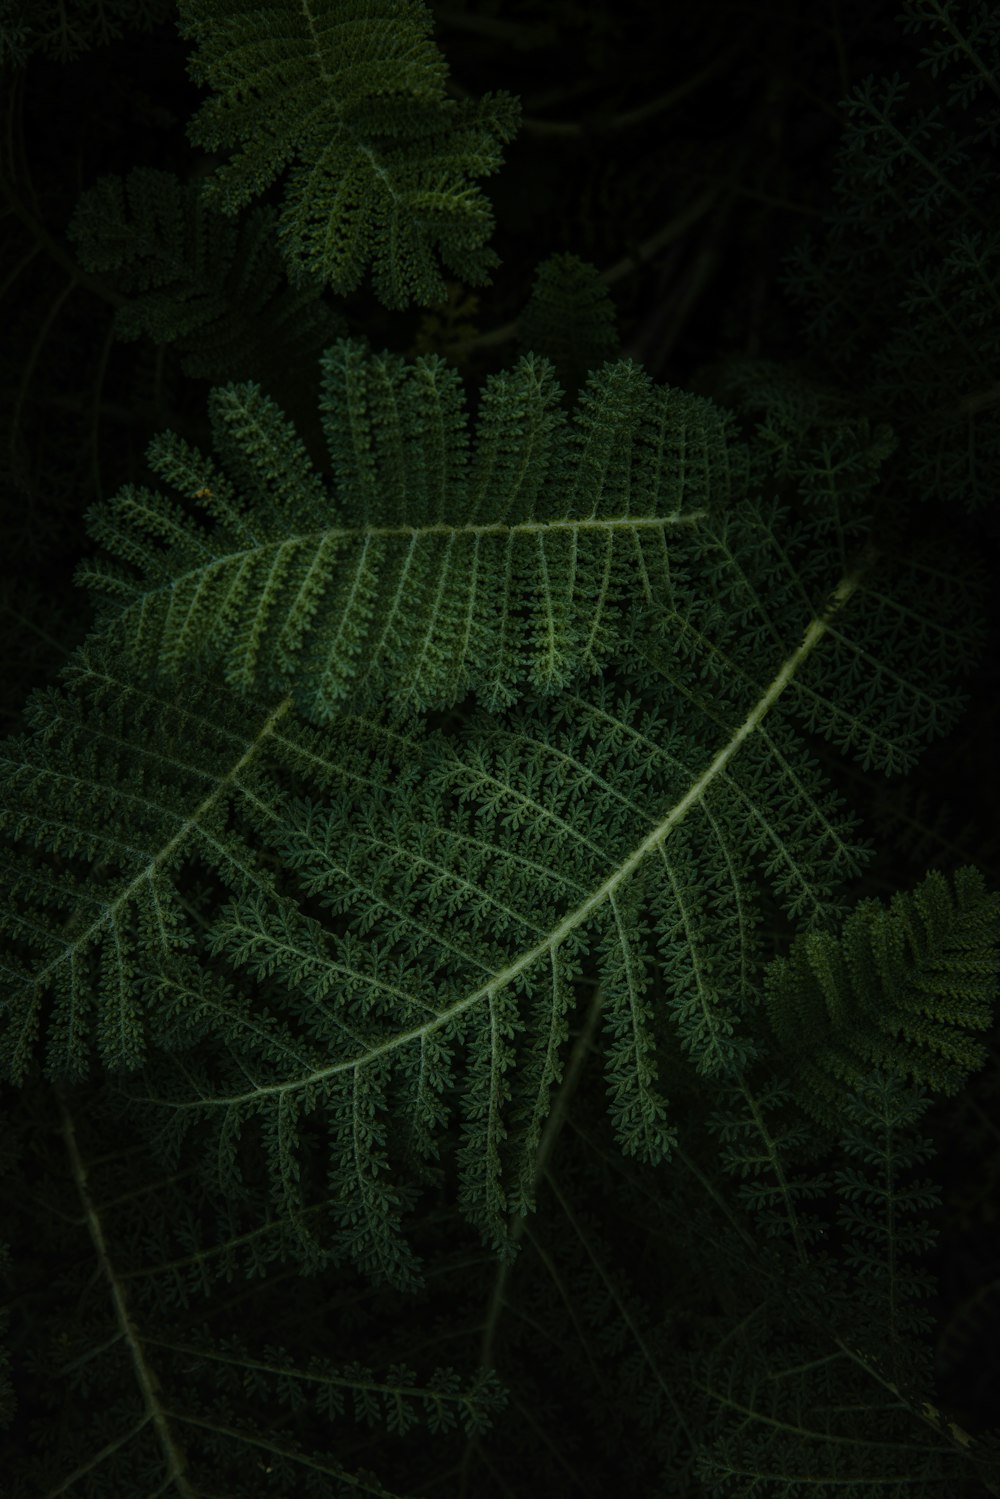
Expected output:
{"points": [[449, 1042], [351, 99]]}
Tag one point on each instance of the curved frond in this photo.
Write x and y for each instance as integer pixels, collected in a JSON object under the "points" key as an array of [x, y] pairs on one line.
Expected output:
{"points": [[445, 919], [214, 289], [351, 97], [899, 988], [425, 570], [123, 810]]}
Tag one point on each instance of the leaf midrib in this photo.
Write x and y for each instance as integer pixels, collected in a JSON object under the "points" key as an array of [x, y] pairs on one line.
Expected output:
{"points": [[814, 632]]}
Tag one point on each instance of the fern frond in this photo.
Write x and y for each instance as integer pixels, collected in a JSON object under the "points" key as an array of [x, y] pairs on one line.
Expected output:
{"points": [[63, 29], [782, 1415], [639, 824], [352, 98], [457, 904], [115, 797], [898, 294], [570, 319], [406, 1101], [962, 37], [773, 1155], [821, 1386], [214, 289], [875, 1212], [425, 571], [203, 1394], [898, 988]]}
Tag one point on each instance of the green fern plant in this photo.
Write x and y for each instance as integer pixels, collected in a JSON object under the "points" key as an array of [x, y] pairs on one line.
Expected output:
{"points": [[898, 988], [383, 162], [486, 863], [214, 289], [443, 1048], [426, 570]]}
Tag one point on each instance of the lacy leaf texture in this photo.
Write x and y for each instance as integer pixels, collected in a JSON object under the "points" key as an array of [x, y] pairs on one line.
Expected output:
{"points": [[339, 941], [351, 97], [438, 850]]}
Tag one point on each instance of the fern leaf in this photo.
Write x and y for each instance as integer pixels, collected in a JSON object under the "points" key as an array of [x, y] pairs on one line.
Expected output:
{"points": [[900, 988], [834, 1330], [425, 572], [466, 882], [783, 1415], [63, 29], [878, 1199], [383, 163], [214, 289], [570, 319], [113, 802], [162, 1391], [897, 293], [773, 1155], [445, 919]]}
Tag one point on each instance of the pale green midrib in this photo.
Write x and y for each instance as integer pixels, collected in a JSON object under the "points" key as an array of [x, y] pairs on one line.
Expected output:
{"points": [[318, 1376], [814, 633], [443, 528], [148, 1383], [110, 908]]}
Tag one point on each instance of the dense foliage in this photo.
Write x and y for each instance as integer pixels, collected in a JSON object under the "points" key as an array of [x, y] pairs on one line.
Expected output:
{"points": [[498, 864]]}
